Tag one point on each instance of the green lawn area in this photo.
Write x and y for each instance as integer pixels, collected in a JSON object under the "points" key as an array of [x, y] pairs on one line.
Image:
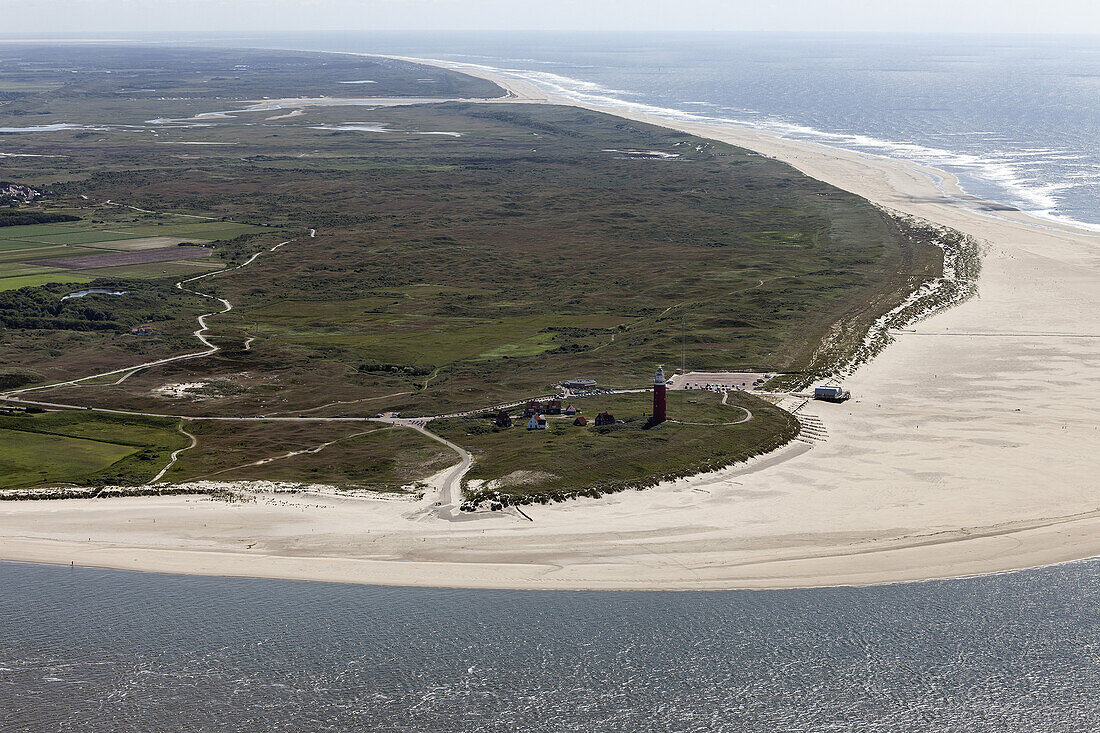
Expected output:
{"points": [[83, 448], [31, 459], [7, 245], [24, 244], [15, 269], [516, 465], [34, 231], [44, 252], [26, 281], [26, 86], [203, 230], [87, 237]]}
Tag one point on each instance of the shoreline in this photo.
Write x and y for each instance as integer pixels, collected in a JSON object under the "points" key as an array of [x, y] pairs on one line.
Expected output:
{"points": [[890, 565], [999, 480]]}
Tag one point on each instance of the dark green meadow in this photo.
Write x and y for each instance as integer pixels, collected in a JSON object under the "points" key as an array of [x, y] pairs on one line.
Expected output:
{"points": [[83, 449]]}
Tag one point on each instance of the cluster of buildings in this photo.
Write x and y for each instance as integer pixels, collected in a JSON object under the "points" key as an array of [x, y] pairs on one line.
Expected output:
{"points": [[536, 421], [534, 410]]}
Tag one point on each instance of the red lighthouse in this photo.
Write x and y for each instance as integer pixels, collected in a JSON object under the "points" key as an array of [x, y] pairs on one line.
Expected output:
{"points": [[659, 395]]}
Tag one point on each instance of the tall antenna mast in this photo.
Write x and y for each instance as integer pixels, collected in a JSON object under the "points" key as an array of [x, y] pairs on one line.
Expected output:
{"points": [[683, 340]]}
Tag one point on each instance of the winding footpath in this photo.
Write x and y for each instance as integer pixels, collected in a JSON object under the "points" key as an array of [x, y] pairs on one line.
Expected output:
{"points": [[129, 371], [175, 455]]}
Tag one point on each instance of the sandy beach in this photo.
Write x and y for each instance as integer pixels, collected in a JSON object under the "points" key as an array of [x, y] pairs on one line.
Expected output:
{"points": [[970, 447]]}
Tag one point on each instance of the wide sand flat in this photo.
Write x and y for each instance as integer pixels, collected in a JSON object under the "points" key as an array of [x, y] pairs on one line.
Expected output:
{"points": [[972, 446]]}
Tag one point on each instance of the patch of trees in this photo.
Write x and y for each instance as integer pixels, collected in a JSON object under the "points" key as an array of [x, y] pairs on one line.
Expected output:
{"points": [[577, 332], [237, 250], [571, 347], [411, 370], [43, 307], [21, 218]]}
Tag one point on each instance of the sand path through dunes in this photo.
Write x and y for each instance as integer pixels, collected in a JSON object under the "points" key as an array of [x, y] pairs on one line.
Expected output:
{"points": [[972, 445]]}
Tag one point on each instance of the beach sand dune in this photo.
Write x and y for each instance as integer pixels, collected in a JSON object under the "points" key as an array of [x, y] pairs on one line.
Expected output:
{"points": [[971, 446]]}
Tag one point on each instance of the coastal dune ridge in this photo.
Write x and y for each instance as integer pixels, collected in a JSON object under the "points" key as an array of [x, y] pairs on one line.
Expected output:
{"points": [[969, 447]]}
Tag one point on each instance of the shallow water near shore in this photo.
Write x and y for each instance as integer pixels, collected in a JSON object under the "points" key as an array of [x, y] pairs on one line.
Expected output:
{"points": [[89, 649]]}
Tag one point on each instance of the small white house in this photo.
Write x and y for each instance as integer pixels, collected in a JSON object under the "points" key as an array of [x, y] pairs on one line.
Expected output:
{"points": [[537, 422]]}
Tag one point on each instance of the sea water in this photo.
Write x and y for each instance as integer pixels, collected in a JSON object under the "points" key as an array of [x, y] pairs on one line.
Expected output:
{"points": [[102, 650]]}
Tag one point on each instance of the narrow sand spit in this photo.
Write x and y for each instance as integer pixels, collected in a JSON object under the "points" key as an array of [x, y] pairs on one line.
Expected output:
{"points": [[971, 447]]}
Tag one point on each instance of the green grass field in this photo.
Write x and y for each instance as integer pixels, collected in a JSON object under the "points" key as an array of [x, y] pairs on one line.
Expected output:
{"points": [[44, 252], [7, 245], [83, 449], [26, 86], [86, 237], [31, 281], [69, 459], [15, 269], [21, 245], [34, 231], [202, 230]]}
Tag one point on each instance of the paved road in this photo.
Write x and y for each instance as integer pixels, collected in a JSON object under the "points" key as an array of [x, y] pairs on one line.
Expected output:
{"points": [[450, 492]]}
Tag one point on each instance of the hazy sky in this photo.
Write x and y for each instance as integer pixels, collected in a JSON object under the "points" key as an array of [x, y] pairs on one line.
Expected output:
{"points": [[992, 16]]}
